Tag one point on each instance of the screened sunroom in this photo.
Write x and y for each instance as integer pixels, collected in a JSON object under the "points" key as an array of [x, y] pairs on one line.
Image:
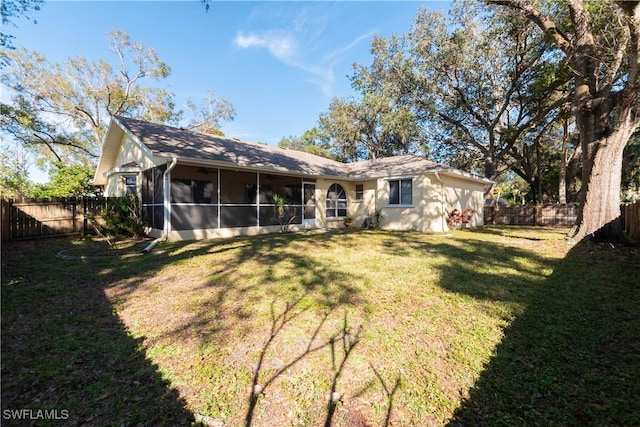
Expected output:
{"points": [[203, 198]]}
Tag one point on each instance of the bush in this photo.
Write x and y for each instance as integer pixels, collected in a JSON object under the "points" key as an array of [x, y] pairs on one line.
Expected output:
{"points": [[121, 217]]}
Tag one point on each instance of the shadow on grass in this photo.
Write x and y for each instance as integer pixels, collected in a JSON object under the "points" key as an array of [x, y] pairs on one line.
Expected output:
{"points": [[67, 359], [64, 348], [572, 357], [340, 344]]}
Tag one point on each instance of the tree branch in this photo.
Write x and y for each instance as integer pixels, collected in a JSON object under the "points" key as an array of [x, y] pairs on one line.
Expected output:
{"points": [[541, 20]]}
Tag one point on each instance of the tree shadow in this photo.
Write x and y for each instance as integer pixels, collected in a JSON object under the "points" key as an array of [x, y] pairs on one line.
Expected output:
{"points": [[67, 359], [572, 357], [65, 347], [341, 344]]}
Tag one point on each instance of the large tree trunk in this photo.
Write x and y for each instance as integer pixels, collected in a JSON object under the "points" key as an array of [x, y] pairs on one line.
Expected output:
{"points": [[599, 213], [604, 105]]}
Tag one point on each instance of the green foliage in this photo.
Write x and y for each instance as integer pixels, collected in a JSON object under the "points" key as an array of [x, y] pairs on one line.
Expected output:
{"points": [[378, 217], [474, 81], [312, 141], [14, 175], [631, 169], [121, 217], [370, 128], [67, 181], [284, 218]]}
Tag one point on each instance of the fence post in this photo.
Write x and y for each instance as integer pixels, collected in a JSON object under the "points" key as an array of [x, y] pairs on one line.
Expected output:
{"points": [[538, 218], [5, 222], [84, 215]]}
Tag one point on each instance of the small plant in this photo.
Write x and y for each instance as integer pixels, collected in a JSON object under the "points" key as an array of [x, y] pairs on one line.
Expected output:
{"points": [[457, 219], [281, 213], [378, 216], [348, 221]]}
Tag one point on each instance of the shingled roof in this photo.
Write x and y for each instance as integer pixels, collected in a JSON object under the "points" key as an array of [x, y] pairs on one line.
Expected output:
{"points": [[194, 147]]}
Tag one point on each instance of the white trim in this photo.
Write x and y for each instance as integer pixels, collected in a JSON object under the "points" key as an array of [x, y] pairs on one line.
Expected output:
{"points": [[133, 138], [399, 177], [121, 171]]}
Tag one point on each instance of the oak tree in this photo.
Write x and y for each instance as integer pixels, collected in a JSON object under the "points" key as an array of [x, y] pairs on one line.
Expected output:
{"points": [[473, 81], [600, 41]]}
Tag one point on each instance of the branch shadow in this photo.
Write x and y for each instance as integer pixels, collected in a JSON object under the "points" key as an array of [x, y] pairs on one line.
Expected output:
{"points": [[340, 343], [66, 347]]}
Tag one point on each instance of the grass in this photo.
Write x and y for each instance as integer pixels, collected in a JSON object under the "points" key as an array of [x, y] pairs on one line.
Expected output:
{"points": [[498, 326]]}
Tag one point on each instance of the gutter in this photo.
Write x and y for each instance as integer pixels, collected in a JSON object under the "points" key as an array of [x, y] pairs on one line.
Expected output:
{"points": [[166, 182], [442, 221]]}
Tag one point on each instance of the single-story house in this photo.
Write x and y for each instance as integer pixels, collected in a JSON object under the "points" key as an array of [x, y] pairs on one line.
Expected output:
{"points": [[194, 186]]}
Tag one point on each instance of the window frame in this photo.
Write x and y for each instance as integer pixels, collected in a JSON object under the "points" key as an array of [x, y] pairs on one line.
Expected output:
{"points": [[401, 198], [130, 189], [337, 205], [359, 193]]}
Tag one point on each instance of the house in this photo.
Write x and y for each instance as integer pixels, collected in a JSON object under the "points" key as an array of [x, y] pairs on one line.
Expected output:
{"points": [[194, 186]]}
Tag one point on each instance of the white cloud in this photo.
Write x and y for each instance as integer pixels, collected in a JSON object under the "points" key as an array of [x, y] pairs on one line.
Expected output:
{"points": [[304, 41], [282, 46]]}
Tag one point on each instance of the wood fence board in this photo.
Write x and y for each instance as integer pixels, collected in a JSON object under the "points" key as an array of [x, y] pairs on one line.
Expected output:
{"points": [[557, 216], [548, 215], [33, 218]]}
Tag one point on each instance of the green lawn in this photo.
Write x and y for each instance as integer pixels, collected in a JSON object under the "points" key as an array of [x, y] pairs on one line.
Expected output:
{"points": [[498, 326]]}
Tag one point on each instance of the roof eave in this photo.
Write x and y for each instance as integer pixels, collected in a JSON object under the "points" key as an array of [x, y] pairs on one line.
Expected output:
{"points": [[197, 161]]}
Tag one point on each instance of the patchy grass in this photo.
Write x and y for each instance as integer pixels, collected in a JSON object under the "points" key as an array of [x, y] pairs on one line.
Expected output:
{"points": [[498, 326]]}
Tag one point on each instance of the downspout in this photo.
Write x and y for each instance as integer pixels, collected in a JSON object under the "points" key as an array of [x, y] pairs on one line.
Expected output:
{"points": [[442, 222], [166, 183]]}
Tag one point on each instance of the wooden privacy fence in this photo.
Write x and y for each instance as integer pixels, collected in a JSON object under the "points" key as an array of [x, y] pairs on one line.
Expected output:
{"points": [[630, 213], [540, 215], [557, 215], [37, 218]]}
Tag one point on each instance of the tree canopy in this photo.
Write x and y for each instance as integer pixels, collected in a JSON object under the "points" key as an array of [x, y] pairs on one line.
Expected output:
{"points": [[370, 128], [62, 110], [476, 82], [312, 141]]}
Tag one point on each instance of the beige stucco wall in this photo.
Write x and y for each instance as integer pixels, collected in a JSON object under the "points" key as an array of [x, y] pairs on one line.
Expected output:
{"points": [[463, 194], [434, 196], [356, 209], [128, 153], [322, 186], [419, 215]]}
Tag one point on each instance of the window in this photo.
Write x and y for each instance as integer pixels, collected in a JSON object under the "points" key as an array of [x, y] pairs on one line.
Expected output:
{"points": [[130, 185], [400, 192], [359, 192], [336, 201], [191, 191]]}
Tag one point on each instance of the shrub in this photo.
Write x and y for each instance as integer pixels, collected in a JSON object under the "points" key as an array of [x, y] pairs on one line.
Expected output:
{"points": [[121, 217]]}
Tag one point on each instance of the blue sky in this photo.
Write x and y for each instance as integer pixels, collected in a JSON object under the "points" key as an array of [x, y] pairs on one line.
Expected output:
{"points": [[278, 62]]}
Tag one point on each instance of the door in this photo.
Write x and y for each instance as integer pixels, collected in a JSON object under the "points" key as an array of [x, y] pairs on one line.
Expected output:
{"points": [[309, 204]]}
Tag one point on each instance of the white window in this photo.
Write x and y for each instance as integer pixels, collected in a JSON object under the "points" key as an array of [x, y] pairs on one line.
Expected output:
{"points": [[130, 185], [359, 192], [336, 201], [401, 192]]}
